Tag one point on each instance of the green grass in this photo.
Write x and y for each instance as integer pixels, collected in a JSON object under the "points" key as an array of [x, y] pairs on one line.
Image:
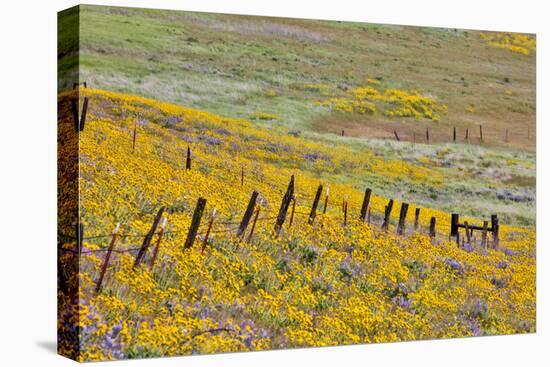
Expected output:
{"points": [[240, 65]]}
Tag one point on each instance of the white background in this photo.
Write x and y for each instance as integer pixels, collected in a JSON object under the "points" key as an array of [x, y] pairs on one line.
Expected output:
{"points": [[28, 181]]}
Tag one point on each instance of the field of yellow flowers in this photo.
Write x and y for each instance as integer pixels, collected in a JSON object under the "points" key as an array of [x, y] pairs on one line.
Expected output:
{"points": [[313, 285]]}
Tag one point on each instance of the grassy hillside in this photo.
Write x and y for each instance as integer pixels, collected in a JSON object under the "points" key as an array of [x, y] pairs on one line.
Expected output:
{"points": [[313, 285], [277, 70]]}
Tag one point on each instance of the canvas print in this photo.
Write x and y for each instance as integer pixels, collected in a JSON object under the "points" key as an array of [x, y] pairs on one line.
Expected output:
{"points": [[233, 183]]}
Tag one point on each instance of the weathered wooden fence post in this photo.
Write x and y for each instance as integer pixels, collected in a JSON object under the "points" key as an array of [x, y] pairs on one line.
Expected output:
{"points": [[468, 233], [208, 229], [188, 160], [148, 237], [402, 218], [326, 201], [285, 203], [466, 136], [416, 217], [247, 214], [253, 224], [342, 132], [495, 230], [454, 227], [346, 212], [396, 136], [157, 245], [387, 213], [427, 135], [195, 223], [365, 205], [84, 111], [432, 227], [313, 212], [134, 138], [106, 260], [484, 234], [454, 134]]}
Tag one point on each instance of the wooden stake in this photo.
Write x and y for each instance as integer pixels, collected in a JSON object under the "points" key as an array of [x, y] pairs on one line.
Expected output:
{"points": [[484, 234], [342, 132], [188, 160], [208, 229], [432, 227], [346, 212], [466, 137], [313, 212], [253, 224], [454, 226], [157, 245], [416, 217], [285, 203], [427, 135], [468, 233], [106, 260], [366, 202], [402, 218], [396, 136], [134, 138], [387, 213], [247, 214], [195, 223], [148, 237], [454, 134], [495, 230]]}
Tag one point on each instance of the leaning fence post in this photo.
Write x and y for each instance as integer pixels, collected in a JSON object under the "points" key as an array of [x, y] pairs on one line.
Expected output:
{"points": [[106, 260], [468, 233], [366, 202], [188, 160], [157, 245], [387, 213], [416, 216], [285, 203], [402, 218], [74, 110], [313, 212], [484, 234], [495, 228], [205, 241], [253, 225], [134, 138], [396, 136], [326, 201], [247, 214], [195, 223], [432, 227], [148, 237]]}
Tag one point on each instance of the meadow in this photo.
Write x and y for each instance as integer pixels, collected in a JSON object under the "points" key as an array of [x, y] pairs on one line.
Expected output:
{"points": [[187, 105], [313, 285]]}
